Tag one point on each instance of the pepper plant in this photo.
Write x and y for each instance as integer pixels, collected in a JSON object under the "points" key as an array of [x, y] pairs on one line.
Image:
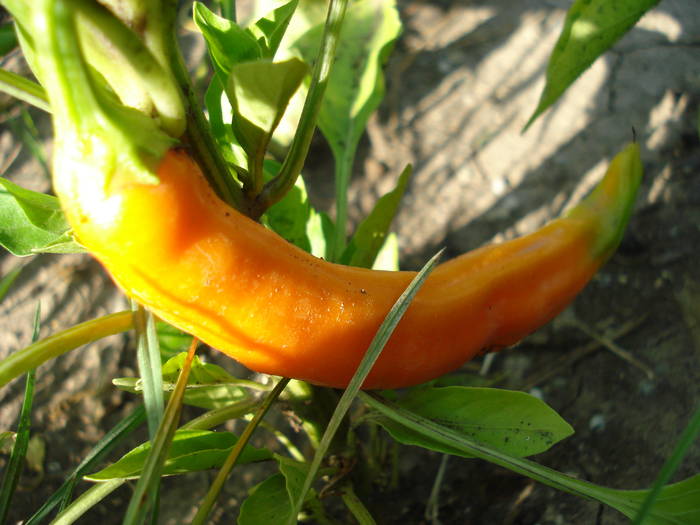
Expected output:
{"points": [[122, 101]]}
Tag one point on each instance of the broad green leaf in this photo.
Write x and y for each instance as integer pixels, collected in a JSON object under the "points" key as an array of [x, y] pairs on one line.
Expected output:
{"points": [[591, 28], [32, 222], [228, 43], [271, 500], [371, 234], [259, 92], [267, 503], [191, 450], [270, 29], [171, 341], [388, 256], [290, 215], [320, 231], [512, 422], [676, 504], [220, 116]]}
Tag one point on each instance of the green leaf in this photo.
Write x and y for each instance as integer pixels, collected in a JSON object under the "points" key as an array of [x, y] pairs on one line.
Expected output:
{"points": [[676, 504], [289, 217], [7, 280], [320, 231], [515, 423], [267, 503], [591, 28], [259, 92], [371, 234], [171, 341], [270, 29], [32, 222], [228, 43], [208, 386], [190, 451], [388, 256], [8, 38], [355, 87], [220, 117], [271, 500]]}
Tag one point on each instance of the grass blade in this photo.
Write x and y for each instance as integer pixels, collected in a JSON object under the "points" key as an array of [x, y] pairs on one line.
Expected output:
{"points": [[110, 440], [382, 336], [7, 280], [24, 89], [689, 435], [218, 483], [138, 506], [19, 450]]}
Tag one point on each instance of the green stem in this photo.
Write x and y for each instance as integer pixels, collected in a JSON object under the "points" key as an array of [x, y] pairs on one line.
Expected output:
{"points": [[215, 488], [293, 163], [37, 353], [199, 136], [160, 445], [343, 171], [24, 90], [357, 508], [218, 416]]}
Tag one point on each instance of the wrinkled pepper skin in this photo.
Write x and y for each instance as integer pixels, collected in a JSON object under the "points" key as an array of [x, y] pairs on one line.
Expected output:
{"points": [[202, 266]]}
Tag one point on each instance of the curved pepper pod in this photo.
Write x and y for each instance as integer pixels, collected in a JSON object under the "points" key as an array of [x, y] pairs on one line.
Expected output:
{"points": [[205, 268]]}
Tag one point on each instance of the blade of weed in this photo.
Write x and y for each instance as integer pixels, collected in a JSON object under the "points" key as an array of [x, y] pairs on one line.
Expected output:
{"points": [[381, 337], [7, 281], [23, 89], [19, 450], [108, 442], [138, 506], [689, 435], [222, 475]]}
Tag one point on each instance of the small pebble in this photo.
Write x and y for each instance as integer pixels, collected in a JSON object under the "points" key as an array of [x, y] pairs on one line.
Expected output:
{"points": [[597, 422]]}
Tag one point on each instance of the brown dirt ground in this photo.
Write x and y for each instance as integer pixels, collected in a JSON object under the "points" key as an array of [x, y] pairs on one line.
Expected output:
{"points": [[462, 83]]}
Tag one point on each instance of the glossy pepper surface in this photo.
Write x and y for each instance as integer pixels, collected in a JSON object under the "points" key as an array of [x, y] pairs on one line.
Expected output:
{"points": [[169, 242], [207, 269]]}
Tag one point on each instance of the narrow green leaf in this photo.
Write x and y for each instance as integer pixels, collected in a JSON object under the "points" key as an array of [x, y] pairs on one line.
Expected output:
{"points": [[220, 116], [227, 43], [675, 504], [7, 280], [259, 92], [591, 28], [37, 353], [515, 423], [31, 221], [145, 495], [14, 467], [148, 357], [26, 132], [371, 234], [108, 442], [659, 492], [190, 451], [270, 29], [24, 89]]}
